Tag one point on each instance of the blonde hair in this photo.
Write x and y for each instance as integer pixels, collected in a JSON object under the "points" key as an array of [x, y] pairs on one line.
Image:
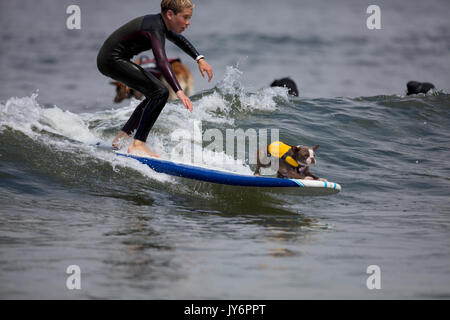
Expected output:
{"points": [[176, 5]]}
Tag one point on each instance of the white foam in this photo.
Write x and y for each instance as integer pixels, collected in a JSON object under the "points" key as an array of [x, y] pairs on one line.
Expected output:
{"points": [[21, 114], [68, 124], [263, 99], [25, 115]]}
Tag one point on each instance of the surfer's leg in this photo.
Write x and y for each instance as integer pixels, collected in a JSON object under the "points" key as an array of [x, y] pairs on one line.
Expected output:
{"points": [[150, 114], [135, 77], [148, 119], [135, 118], [122, 138]]}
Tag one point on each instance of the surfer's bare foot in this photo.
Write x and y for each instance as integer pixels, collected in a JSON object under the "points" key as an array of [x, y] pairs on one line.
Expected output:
{"points": [[139, 148], [120, 140]]}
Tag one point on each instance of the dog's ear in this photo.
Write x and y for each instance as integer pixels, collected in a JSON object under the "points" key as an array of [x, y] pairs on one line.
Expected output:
{"points": [[295, 148], [316, 147]]}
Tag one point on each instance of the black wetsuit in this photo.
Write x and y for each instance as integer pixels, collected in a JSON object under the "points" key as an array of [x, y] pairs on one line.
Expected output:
{"points": [[114, 60]]}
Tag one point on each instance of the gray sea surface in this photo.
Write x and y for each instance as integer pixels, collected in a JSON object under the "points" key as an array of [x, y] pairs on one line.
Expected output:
{"points": [[138, 234]]}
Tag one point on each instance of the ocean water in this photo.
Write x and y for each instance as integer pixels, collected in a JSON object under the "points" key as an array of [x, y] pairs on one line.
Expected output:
{"points": [[138, 234]]}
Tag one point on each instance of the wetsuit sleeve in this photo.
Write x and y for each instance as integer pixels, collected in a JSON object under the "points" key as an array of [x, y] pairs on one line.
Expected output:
{"points": [[182, 43], [163, 64]]}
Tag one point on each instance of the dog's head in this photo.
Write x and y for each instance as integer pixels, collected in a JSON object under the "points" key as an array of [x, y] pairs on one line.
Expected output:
{"points": [[121, 91], [304, 155]]}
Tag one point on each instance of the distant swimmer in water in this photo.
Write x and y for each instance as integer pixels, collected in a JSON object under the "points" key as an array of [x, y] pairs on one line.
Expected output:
{"points": [[138, 35], [286, 83], [415, 87]]}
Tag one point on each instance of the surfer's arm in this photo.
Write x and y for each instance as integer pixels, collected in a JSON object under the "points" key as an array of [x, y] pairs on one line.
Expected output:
{"points": [[183, 43], [203, 66], [187, 47], [166, 70], [163, 63]]}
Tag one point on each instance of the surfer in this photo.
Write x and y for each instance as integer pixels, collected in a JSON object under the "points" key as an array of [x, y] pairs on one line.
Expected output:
{"points": [[138, 35]]}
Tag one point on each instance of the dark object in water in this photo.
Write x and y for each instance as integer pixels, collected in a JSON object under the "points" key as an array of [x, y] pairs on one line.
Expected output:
{"points": [[415, 87], [287, 83]]}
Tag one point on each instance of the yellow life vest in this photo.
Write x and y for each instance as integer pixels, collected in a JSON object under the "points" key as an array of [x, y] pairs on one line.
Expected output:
{"points": [[279, 149]]}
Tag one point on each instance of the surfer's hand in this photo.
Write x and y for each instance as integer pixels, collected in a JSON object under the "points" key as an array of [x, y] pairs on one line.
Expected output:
{"points": [[185, 100], [205, 67]]}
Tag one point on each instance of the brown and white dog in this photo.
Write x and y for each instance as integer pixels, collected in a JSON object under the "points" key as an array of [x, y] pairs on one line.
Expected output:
{"points": [[182, 73], [293, 162]]}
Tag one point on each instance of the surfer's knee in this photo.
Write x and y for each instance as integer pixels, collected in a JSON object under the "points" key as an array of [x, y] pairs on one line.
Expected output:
{"points": [[102, 66], [164, 95], [161, 94]]}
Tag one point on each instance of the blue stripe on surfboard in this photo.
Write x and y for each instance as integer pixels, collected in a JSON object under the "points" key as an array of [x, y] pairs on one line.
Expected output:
{"points": [[227, 177], [211, 175]]}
